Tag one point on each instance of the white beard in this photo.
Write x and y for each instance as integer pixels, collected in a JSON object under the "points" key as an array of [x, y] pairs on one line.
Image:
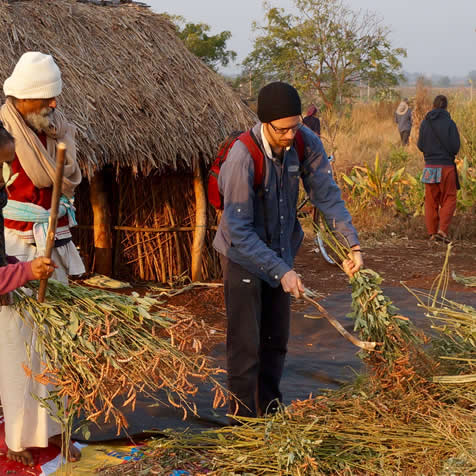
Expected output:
{"points": [[41, 121]]}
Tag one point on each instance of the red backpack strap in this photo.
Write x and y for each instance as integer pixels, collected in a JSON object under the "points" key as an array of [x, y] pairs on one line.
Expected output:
{"points": [[299, 145], [249, 139]]}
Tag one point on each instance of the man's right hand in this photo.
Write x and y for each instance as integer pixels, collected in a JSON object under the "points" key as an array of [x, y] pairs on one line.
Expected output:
{"points": [[292, 283], [42, 268]]}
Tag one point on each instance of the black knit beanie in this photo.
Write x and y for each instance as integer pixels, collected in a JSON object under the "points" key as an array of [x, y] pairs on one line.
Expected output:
{"points": [[278, 100]]}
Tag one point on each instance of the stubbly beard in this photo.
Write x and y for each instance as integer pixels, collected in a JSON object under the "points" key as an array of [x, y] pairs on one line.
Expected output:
{"points": [[286, 143], [278, 142], [41, 121]]}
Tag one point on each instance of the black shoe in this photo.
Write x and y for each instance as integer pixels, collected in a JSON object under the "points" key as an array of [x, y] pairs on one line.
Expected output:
{"points": [[442, 238]]}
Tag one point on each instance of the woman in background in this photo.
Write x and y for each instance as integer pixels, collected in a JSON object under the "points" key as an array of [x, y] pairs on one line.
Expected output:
{"points": [[439, 141]]}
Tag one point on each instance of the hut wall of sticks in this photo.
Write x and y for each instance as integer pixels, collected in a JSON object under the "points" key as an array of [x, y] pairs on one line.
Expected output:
{"points": [[149, 118]]}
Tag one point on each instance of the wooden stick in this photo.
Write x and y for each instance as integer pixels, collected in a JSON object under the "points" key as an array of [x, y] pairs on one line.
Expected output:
{"points": [[102, 224], [53, 220], [139, 229], [200, 231], [338, 326]]}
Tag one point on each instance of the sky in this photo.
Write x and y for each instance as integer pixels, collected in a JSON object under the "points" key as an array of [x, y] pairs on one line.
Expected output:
{"points": [[439, 35]]}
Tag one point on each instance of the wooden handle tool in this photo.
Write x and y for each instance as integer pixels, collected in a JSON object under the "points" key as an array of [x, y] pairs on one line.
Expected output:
{"points": [[53, 220], [359, 343]]}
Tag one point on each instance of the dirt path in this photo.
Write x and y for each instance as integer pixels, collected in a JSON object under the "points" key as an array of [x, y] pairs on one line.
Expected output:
{"points": [[414, 262]]}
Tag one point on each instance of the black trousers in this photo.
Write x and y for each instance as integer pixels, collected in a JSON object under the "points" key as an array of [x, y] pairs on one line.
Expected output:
{"points": [[404, 136], [258, 319]]}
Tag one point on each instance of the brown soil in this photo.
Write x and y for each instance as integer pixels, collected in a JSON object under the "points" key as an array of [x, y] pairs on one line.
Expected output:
{"points": [[416, 263]]}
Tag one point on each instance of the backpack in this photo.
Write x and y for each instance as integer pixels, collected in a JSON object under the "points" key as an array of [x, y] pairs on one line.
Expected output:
{"points": [[249, 139]]}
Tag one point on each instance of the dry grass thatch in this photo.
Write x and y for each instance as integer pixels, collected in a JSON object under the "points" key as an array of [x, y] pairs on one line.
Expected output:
{"points": [[138, 97]]}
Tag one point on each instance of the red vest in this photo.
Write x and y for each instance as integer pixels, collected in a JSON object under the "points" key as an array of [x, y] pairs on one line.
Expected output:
{"points": [[23, 190]]}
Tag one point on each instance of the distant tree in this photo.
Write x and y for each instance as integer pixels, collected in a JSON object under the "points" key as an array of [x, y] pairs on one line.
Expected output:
{"points": [[211, 49], [472, 76], [404, 79], [327, 49], [444, 82]]}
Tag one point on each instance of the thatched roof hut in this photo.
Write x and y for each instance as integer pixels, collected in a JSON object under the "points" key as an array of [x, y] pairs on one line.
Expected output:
{"points": [[138, 97], [144, 106]]}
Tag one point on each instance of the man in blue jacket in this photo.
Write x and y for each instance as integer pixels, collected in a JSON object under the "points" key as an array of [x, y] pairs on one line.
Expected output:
{"points": [[258, 238]]}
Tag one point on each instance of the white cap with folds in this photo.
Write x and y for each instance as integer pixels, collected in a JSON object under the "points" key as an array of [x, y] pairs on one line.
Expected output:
{"points": [[35, 76]]}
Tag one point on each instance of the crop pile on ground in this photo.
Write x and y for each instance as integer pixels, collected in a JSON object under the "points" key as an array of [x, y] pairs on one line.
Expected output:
{"points": [[96, 346], [401, 418]]}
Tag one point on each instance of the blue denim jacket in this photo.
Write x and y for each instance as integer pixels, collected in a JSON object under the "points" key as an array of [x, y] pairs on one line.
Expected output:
{"points": [[241, 235]]}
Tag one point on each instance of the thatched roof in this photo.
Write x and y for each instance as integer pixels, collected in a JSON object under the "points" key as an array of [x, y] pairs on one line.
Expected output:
{"points": [[138, 97]]}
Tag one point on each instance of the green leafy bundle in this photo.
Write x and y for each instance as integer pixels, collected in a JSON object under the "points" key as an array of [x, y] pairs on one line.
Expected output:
{"points": [[375, 317], [96, 346]]}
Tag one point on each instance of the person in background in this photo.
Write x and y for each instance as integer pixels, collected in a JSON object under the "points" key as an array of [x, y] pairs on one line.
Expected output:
{"points": [[403, 118], [312, 121], [30, 115], [258, 238], [439, 141]]}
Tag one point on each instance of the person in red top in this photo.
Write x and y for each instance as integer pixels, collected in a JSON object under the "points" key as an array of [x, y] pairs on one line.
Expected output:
{"points": [[30, 115], [14, 273]]}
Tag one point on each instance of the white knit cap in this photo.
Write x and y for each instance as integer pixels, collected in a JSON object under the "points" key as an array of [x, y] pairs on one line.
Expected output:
{"points": [[35, 76]]}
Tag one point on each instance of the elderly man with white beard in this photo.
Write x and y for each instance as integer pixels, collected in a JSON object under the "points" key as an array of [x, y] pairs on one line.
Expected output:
{"points": [[30, 116]]}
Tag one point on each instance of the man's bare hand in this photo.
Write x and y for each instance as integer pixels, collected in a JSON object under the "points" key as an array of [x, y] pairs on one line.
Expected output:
{"points": [[42, 268], [292, 283], [353, 264]]}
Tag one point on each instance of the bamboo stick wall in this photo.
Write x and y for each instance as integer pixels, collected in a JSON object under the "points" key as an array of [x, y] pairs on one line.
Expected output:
{"points": [[155, 201]]}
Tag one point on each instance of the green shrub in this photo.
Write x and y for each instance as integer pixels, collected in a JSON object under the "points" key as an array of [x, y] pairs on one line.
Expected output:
{"points": [[374, 186], [464, 114], [467, 193], [399, 156], [412, 198]]}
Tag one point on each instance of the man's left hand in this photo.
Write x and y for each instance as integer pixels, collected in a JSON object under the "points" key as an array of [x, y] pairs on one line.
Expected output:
{"points": [[354, 263]]}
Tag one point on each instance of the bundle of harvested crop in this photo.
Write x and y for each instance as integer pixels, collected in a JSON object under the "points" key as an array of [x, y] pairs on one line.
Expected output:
{"points": [[96, 346], [456, 342], [375, 317], [379, 424], [356, 430]]}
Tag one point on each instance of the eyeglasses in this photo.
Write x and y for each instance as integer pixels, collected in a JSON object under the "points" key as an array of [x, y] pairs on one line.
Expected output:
{"points": [[284, 130]]}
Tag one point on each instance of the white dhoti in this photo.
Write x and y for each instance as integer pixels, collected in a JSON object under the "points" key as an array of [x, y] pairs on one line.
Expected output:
{"points": [[27, 423]]}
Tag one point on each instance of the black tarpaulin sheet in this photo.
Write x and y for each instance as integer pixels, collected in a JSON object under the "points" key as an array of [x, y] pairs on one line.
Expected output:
{"points": [[318, 358]]}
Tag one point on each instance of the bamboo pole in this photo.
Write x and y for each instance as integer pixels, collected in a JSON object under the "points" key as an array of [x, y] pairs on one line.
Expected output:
{"points": [[53, 220], [117, 236], [137, 238], [161, 276], [177, 241], [102, 225], [200, 222], [139, 229]]}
